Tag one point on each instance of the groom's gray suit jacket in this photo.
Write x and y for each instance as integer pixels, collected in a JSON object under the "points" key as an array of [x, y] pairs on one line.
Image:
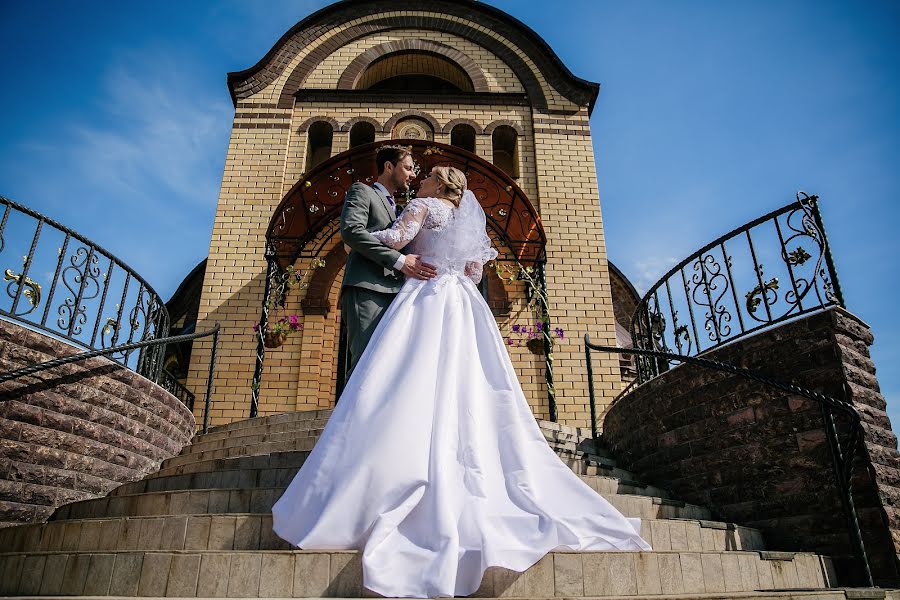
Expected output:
{"points": [[370, 264]]}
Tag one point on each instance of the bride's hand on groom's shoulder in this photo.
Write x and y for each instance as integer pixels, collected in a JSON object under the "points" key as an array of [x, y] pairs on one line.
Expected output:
{"points": [[415, 268]]}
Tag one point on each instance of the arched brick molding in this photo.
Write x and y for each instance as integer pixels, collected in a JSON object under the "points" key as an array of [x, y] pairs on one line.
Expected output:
{"points": [[389, 125], [466, 18], [349, 124], [527, 77], [449, 126], [352, 73], [305, 125], [495, 124]]}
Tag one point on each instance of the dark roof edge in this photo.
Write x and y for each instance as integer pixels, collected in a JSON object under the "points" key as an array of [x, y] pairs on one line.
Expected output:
{"points": [[627, 281], [187, 279]]}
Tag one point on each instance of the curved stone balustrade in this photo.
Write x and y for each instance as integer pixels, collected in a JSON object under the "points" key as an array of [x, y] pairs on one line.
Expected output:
{"points": [[77, 431]]}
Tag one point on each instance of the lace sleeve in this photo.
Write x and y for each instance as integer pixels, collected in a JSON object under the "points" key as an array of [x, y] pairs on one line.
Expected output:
{"points": [[474, 271], [404, 228]]}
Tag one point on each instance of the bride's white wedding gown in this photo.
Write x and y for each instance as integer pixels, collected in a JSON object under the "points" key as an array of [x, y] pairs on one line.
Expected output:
{"points": [[432, 463]]}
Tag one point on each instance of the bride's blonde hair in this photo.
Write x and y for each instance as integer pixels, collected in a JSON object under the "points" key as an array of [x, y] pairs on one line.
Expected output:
{"points": [[454, 183]]}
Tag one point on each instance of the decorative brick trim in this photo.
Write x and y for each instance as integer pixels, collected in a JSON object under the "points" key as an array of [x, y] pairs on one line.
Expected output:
{"points": [[449, 126], [581, 122], [305, 125], [378, 97], [564, 113], [262, 125], [564, 132], [349, 124], [495, 124], [389, 125], [354, 71], [241, 105], [252, 115]]}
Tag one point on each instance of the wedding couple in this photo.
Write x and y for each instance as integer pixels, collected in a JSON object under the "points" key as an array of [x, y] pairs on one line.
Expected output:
{"points": [[432, 464]]}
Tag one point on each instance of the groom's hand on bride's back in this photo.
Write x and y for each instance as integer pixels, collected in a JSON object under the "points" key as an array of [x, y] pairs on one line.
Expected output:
{"points": [[415, 268]]}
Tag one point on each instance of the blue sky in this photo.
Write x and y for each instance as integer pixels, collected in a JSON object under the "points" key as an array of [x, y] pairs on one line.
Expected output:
{"points": [[116, 120]]}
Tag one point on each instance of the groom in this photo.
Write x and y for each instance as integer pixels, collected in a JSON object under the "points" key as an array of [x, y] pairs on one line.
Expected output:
{"points": [[372, 276]]}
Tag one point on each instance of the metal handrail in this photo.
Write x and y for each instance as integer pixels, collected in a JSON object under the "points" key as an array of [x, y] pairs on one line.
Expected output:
{"points": [[87, 280], [64, 360], [842, 457], [710, 296], [170, 383]]}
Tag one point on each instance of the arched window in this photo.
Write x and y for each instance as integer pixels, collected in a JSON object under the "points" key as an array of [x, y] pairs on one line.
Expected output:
{"points": [[415, 71], [506, 154], [318, 147], [463, 136], [361, 133]]}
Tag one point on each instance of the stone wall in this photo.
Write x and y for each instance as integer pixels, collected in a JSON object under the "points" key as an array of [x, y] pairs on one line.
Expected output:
{"points": [[760, 457], [77, 431]]}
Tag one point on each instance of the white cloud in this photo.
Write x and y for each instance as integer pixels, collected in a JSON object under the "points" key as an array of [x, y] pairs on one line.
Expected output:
{"points": [[647, 270], [139, 175]]}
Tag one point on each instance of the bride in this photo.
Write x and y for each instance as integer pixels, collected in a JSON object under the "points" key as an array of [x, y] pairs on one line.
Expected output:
{"points": [[432, 463]]}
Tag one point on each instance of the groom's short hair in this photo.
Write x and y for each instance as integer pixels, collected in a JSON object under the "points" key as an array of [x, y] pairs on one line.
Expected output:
{"points": [[390, 153]]}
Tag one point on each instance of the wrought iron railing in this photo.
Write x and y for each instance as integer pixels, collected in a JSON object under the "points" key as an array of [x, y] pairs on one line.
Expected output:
{"points": [[842, 455], [108, 352], [170, 383], [69, 287], [775, 268]]}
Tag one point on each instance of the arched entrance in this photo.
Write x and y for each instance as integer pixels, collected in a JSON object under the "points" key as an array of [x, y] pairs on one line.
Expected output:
{"points": [[304, 224]]}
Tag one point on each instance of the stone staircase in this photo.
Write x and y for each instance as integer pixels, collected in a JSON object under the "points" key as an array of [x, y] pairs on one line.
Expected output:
{"points": [[201, 527]]}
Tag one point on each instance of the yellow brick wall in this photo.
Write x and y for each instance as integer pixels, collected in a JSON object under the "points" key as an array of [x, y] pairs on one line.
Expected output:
{"points": [[266, 156]]}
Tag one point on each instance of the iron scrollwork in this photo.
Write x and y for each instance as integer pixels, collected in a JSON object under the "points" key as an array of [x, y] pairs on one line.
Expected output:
{"points": [[81, 278], [709, 295], [32, 289], [711, 285]]}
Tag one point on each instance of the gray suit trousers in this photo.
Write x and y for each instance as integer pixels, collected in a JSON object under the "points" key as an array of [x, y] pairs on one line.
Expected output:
{"points": [[362, 310]]}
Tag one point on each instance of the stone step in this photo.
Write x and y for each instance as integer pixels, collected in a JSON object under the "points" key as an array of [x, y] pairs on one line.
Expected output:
{"points": [[236, 531], [580, 463], [313, 428], [250, 477], [285, 417], [260, 500], [567, 432], [277, 460], [339, 574], [825, 594], [251, 440], [299, 444], [261, 430]]}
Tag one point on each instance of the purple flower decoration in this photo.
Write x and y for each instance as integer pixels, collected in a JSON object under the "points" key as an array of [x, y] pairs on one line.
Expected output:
{"points": [[256, 328], [516, 328], [559, 332], [510, 341], [539, 326]]}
